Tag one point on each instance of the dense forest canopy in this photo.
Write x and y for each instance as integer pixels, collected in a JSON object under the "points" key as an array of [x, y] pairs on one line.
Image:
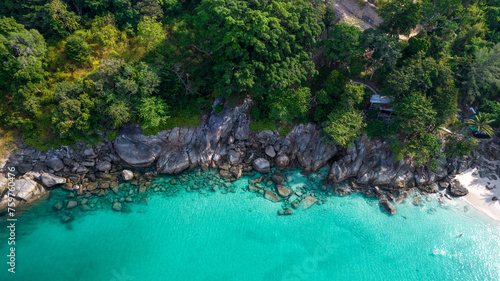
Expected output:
{"points": [[76, 70]]}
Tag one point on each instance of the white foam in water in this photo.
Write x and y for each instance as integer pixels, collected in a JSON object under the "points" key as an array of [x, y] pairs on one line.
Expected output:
{"points": [[240, 237]]}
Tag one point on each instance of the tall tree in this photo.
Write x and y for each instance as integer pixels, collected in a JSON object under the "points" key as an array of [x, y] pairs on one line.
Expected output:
{"points": [[257, 46], [483, 79], [344, 43], [401, 16], [21, 52]]}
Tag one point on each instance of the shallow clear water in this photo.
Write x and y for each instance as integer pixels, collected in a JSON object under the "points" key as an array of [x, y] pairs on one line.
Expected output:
{"points": [[239, 236]]}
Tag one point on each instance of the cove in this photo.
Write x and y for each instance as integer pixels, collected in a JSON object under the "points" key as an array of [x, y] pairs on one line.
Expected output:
{"points": [[239, 236]]}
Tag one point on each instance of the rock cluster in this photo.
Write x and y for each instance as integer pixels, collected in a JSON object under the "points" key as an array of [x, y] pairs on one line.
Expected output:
{"points": [[224, 142]]}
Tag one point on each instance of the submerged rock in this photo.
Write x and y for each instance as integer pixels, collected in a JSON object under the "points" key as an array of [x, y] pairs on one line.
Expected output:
{"points": [[387, 205], [58, 206], [117, 206], [271, 196], [283, 191], [308, 201], [71, 204], [277, 179]]}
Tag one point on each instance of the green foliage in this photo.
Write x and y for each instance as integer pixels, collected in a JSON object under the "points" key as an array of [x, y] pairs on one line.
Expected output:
{"points": [[481, 123], [285, 130], [263, 125], [386, 50], [60, 19], [218, 109], [459, 146], [111, 135], [344, 126], [400, 16], [414, 113], [493, 109], [483, 81], [377, 128], [424, 149], [120, 113], [344, 43], [397, 150], [289, 104], [352, 96], [150, 33], [153, 111], [72, 116], [426, 76], [417, 45], [257, 46], [78, 49]]}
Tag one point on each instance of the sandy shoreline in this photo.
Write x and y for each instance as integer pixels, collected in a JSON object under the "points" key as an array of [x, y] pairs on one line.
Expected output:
{"points": [[479, 196]]}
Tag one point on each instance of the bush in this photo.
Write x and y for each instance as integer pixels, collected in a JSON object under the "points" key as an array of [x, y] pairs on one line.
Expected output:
{"points": [[218, 109], [77, 49], [263, 125], [285, 130], [459, 146], [377, 128]]}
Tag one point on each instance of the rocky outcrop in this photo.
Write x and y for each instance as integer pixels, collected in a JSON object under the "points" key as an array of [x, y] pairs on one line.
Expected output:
{"points": [[26, 189], [224, 141], [136, 149], [49, 180], [387, 205], [457, 189]]}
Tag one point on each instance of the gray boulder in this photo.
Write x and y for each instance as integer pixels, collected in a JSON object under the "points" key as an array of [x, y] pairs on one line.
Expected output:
{"points": [[233, 157], [270, 151], [49, 180], [282, 161], [23, 168], [431, 188], [55, 164], [173, 161], [261, 165], [387, 205], [104, 166], [136, 149], [457, 189]]}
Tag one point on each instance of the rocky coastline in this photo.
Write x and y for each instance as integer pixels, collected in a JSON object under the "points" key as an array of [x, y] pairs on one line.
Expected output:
{"points": [[223, 142]]}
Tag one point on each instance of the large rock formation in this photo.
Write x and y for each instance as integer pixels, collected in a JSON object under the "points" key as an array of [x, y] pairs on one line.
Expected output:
{"points": [[26, 188], [49, 180], [457, 189], [136, 149]]}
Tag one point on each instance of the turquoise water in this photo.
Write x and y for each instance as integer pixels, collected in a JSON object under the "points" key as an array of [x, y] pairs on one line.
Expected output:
{"points": [[239, 236]]}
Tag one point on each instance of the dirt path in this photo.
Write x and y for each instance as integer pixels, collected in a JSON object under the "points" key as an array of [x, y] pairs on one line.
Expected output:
{"points": [[351, 13], [371, 87]]}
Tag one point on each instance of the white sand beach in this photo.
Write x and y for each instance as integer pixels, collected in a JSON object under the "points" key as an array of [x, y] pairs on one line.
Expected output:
{"points": [[479, 196]]}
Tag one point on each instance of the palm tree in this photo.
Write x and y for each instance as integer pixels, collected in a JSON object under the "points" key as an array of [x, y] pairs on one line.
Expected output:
{"points": [[481, 123]]}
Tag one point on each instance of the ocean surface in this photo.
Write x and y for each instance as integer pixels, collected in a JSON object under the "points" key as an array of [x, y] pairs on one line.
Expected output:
{"points": [[239, 236]]}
